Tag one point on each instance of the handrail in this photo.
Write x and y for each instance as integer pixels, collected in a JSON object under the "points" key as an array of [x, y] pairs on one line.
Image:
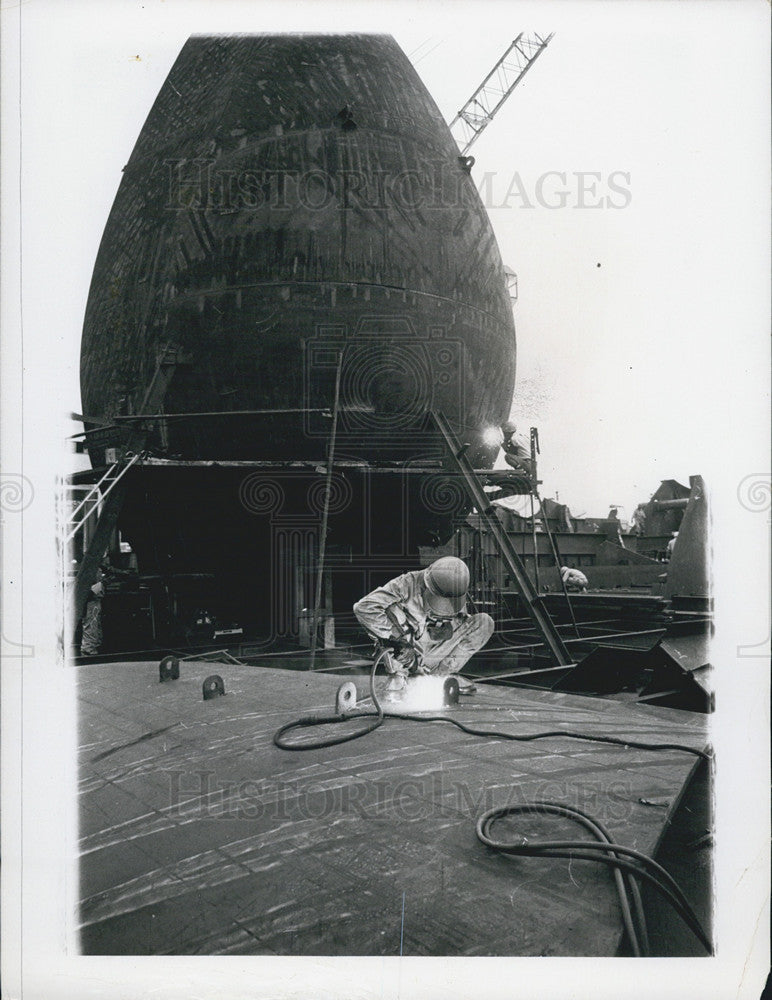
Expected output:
{"points": [[113, 484], [94, 489]]}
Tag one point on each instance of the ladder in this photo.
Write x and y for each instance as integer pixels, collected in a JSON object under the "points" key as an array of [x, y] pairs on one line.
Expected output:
{"points": [[168, 359], [481, 501], [99, 493]]}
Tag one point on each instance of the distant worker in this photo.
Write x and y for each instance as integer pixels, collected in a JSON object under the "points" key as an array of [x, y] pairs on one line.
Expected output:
{"points": [[92, 630], [91, 638], [424, 612], [671, 546], [573, 579], [638, 520]]}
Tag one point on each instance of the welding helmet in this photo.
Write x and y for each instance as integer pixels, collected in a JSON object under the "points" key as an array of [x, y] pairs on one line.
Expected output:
{"points": [[447, 581], [509, 427]]}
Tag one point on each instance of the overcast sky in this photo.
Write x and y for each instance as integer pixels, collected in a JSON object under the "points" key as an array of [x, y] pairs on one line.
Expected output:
{"points": [[641, 321]]}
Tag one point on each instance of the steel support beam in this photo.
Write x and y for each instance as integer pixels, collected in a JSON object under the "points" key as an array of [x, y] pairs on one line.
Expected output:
{"points": [[514, 564]]}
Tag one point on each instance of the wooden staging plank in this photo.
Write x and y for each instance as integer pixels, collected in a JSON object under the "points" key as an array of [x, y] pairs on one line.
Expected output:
{"points": [[199, 836]]}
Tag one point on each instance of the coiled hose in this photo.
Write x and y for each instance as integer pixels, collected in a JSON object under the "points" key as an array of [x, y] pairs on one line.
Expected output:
{"points": [[323, 720], [626, 863]]}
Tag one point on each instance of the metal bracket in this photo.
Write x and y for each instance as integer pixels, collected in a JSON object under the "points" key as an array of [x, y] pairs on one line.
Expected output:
{"points": [[450, 690], [213, 687], [512, 560], [346, 698], [169, 669]]}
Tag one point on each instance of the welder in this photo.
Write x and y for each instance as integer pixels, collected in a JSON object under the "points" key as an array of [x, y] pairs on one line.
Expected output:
{"points": [[517, 455], [517, 451], [421, 616]]}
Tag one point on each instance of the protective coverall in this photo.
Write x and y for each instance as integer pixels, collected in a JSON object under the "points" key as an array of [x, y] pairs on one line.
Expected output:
{"points": [[404, 596]]}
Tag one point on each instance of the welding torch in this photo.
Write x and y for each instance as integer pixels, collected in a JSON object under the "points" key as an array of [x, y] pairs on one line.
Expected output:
{"points": [[405, 654]]}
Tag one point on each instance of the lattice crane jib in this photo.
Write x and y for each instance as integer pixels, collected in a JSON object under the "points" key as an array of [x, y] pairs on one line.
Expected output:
{"points": [[532, 600], [485, 102]]}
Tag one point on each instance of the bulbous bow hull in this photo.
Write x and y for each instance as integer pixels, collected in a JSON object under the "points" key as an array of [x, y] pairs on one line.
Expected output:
{"points": [[296, 202]]}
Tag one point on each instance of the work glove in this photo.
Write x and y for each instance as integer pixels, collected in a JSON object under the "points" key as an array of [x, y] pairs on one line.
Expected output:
{"points": [[403, 655], [420, 667]]}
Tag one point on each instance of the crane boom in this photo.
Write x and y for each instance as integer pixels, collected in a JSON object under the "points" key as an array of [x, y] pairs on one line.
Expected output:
{"points": [[496, 88]]}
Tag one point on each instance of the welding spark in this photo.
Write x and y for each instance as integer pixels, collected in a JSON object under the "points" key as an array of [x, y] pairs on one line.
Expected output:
{"points": [[492, 436], [423, 694]]}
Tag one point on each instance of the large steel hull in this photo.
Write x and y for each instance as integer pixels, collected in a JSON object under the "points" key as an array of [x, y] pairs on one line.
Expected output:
{"points": [[294, 202]]}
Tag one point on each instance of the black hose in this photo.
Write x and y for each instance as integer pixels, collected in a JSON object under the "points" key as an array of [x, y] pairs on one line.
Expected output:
{"points": [[324, 720], [378, 718], [561, 733], [603, 850], [622, 879]]}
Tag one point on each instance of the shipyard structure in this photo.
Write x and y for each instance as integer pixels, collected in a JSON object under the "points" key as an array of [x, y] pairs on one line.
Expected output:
{"points": [[297, 369], [296, 272]]}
